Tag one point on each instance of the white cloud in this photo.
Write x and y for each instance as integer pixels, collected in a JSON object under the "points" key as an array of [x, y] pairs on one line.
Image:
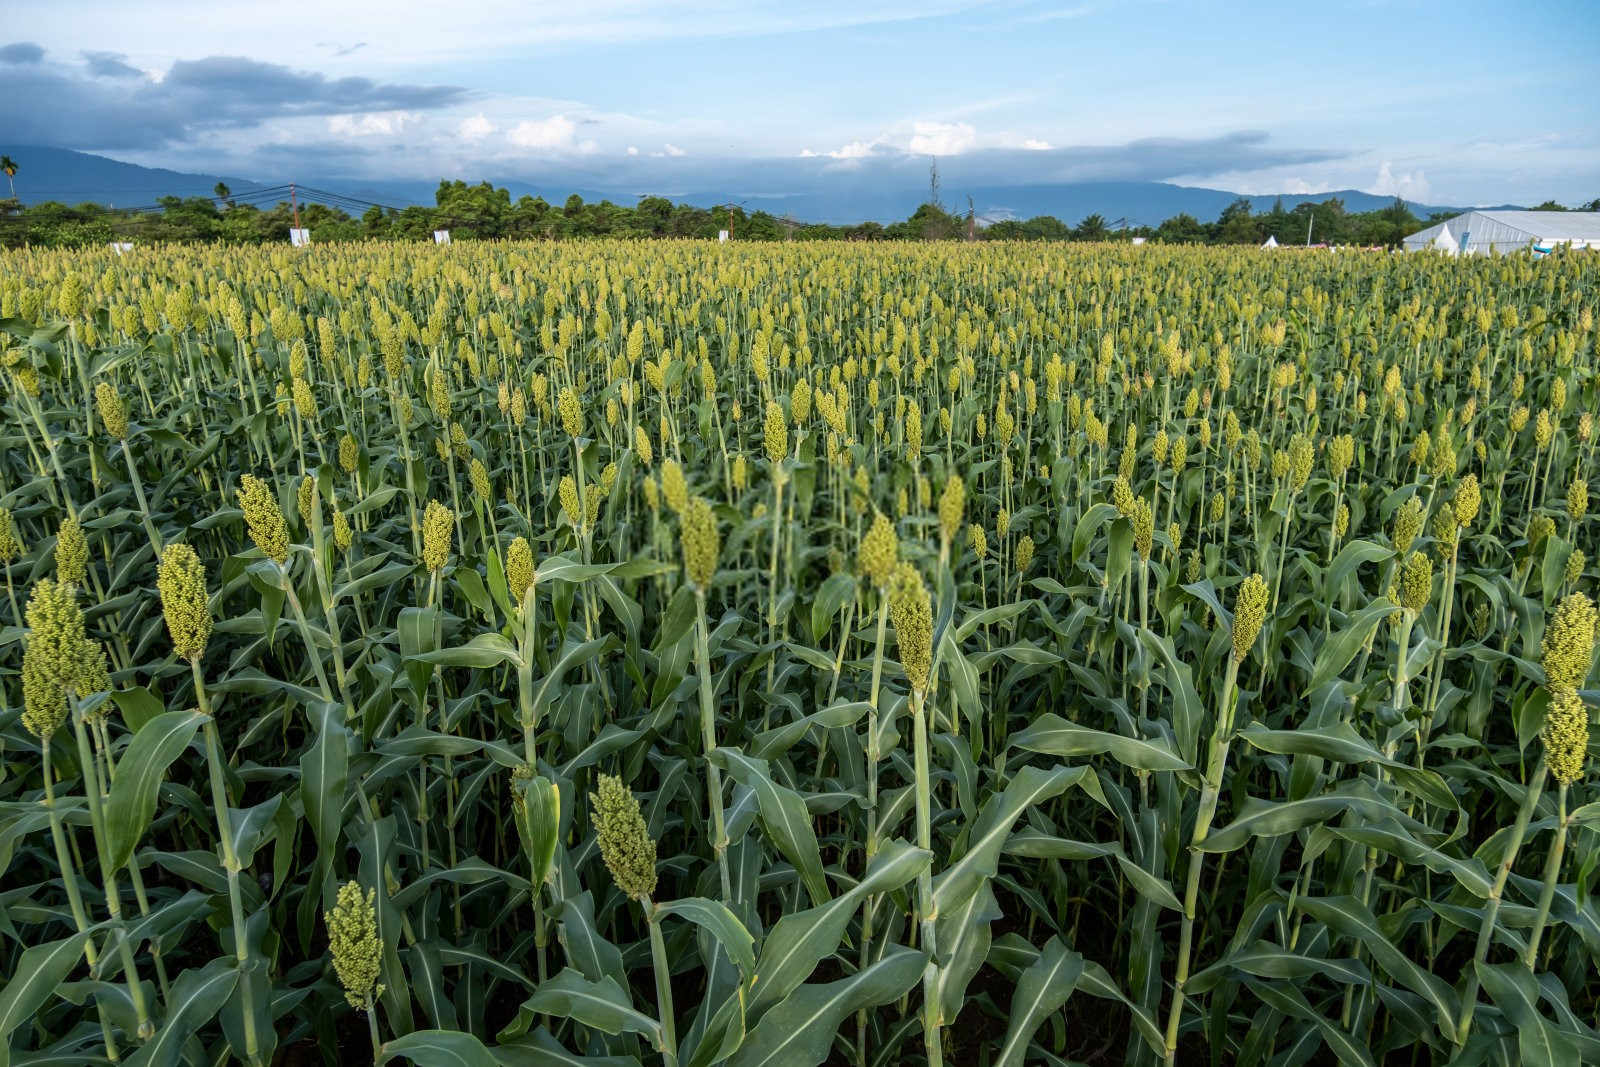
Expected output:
{"points": [[556, 133], [475, 128], [1412, 185], [848, 153], [1298, 187], [1033, 144], [854, 150], [372, 124], [942, 138], [633, 150], [672, 150]]}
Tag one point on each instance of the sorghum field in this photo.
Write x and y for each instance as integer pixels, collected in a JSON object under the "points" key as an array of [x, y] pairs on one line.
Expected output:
{"points": [[627, 653]]}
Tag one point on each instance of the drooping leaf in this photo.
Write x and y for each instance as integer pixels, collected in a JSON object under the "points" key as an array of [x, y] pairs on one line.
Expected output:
{"points": [[144, 764], [439, 1048], [1043, 988], [799, 1030]]}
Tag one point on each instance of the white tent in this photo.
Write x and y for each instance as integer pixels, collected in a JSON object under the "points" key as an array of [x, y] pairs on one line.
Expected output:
{"points": [[1478, 233], [1443, 241], [1270, 242]]}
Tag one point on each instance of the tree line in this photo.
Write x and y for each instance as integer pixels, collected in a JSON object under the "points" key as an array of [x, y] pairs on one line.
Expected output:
{"points": [[484, 211]]}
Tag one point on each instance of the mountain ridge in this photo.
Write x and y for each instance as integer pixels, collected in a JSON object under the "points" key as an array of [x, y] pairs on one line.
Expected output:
{"points": [[69, 176]]}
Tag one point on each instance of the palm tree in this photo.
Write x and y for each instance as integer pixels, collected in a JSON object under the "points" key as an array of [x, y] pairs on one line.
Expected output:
{"points": [[9, 165]]}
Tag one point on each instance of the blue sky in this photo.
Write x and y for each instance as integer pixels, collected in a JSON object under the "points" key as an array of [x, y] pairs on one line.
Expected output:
{"points": [[1445, 103]]}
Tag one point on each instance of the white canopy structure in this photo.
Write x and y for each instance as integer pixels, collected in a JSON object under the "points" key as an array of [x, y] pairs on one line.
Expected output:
{"points": [[1270, 242], [1481, 233], [1443, 241]]}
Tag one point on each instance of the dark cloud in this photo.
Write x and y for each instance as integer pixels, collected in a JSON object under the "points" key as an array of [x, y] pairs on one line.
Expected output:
{"points": [[21, 52], [1154, 159], [889, 182], [247, 90], [80, 107], [1069, 182], [110, 65]]}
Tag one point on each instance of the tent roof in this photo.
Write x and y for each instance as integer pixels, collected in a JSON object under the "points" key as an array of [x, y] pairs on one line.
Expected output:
{"points": [[1550, 225], [1510, 229]]}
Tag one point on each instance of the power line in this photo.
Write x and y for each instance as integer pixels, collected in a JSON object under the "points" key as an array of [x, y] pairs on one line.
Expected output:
{"points": [[249, 197]]}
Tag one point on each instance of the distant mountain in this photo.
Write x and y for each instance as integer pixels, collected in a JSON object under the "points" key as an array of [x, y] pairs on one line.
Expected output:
{"points": [[76, 177], [833, 197], [1148, 203], [840, 202]]}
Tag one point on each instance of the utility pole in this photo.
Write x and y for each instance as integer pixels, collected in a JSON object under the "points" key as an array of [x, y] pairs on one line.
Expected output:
{"points": [[1310, 218], [295, 205]]}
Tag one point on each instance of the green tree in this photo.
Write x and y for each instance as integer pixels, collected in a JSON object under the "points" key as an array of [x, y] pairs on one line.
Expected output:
{"points": [[1182, 228], [1092, 228], [1238, 226], [475, 210], [653, 215], [1386, 226], [932, 223], [532, 217], [241, 223]]}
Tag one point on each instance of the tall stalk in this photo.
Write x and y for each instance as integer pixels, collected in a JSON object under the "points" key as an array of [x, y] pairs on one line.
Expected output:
{"points": [[926, 911], [69, 878], [1552, 871], [663, 974], [1491, 910], [882, 560], [1250, 612], [708, 738], [97, 818], [230, 861]]}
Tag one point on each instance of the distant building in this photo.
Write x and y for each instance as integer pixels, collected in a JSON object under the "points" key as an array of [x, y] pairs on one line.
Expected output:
{"points": [[1481, 233]]}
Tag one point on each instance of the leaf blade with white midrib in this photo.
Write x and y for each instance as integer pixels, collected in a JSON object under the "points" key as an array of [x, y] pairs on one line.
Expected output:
{"points": [[137, 783], [1041, 989], [799, 1030]]}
